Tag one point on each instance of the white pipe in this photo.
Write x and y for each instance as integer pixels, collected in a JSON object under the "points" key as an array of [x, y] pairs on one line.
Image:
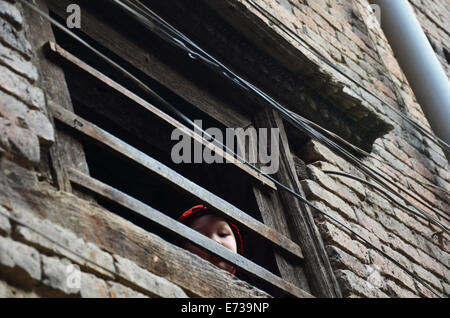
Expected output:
{"points": [[416, 57]]}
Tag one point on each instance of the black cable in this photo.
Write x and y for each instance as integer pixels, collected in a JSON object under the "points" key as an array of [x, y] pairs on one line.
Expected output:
{"points": [[435, 139], [165, 103], [152, 21], [365, 153]]}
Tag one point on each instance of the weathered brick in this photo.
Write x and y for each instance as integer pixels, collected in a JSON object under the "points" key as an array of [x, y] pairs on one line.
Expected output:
{"points": [[327, 182], [389, 269], [372, 225], [400, 246], [412, 223], [19, 87], [342, 260], [357, 187], [315, 192], [40, 125], [19, 264], [9, 12], [422, 192], [369, 236], [320, 217], [426, 292], [397, 228], [446, 288], [423, 169], [93, 287], [117, 290], [5, 225], [380, 204], [430, 263], [394, 290], [56, 278], [14, 39], [350, 283], [428, 277], [147, 282], [17, 63], [333, 235], [69, 246], [19, 114], [23, 142]]}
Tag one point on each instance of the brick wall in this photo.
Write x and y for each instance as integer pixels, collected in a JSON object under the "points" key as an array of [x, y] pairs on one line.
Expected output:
{"points": [[346, 32], [36, 255]]}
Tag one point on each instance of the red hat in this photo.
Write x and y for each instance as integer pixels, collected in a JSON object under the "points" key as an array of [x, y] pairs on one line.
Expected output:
{"points": [[198, 210]]}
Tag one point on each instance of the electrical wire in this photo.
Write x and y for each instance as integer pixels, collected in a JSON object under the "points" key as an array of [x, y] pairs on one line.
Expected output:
{"points": [[165, 103], [152, 21], [438, 141], [365, 153]]}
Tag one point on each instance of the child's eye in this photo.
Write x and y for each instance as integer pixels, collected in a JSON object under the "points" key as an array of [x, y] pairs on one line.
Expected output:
{"points": [[224, 234]]}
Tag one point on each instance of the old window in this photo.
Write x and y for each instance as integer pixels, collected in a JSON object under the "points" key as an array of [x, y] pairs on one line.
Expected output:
{"points": [[125, 139]]}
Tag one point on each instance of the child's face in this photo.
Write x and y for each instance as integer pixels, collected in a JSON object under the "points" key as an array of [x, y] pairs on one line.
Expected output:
{"points": [[217, 229]]}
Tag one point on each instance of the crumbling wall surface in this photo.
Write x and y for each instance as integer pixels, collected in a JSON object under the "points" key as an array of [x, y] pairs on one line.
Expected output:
{"points": [[45, 233], [53, 244], [348, 34]]}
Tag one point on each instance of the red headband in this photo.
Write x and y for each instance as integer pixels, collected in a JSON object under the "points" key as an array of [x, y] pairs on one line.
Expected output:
{"points": [[199, 209]]}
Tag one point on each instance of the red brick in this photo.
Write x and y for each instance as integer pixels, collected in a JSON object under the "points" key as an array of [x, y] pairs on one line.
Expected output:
{"points": [[422, 169], [333, 235], [428, 277], [327, 182], [314, 191], [394, 290], [430, 263], [342, 260], [350, 283], [391, 270], [19, 87], [422, 192]]}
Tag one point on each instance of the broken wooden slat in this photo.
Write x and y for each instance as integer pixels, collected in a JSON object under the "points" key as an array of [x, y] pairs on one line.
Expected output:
{"points": [[176, 124], [183, 231], [177, 180]]}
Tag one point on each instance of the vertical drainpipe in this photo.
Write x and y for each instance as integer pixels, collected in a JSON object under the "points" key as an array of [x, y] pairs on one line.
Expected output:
{"points": [[419, 63]]}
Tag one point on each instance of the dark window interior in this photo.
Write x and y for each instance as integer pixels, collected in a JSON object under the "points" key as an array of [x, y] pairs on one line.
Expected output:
{"points": [[115, 113]]}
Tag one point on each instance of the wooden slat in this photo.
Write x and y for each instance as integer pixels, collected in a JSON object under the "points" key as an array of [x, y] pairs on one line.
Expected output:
{"points": [[303, 229], [183, 231], [176, 124], [177, 180]]}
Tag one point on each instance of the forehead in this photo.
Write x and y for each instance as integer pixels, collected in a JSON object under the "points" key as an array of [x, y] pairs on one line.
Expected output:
{"points": [[208, 220]]}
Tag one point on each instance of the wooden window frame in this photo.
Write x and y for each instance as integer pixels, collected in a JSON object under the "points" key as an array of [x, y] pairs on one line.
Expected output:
{"points": [[312, 274]]}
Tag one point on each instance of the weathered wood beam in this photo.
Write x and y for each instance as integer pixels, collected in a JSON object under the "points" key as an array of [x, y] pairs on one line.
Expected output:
{"points": [[299, 217], [175, 179], [183, 231], [175, 123]]}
